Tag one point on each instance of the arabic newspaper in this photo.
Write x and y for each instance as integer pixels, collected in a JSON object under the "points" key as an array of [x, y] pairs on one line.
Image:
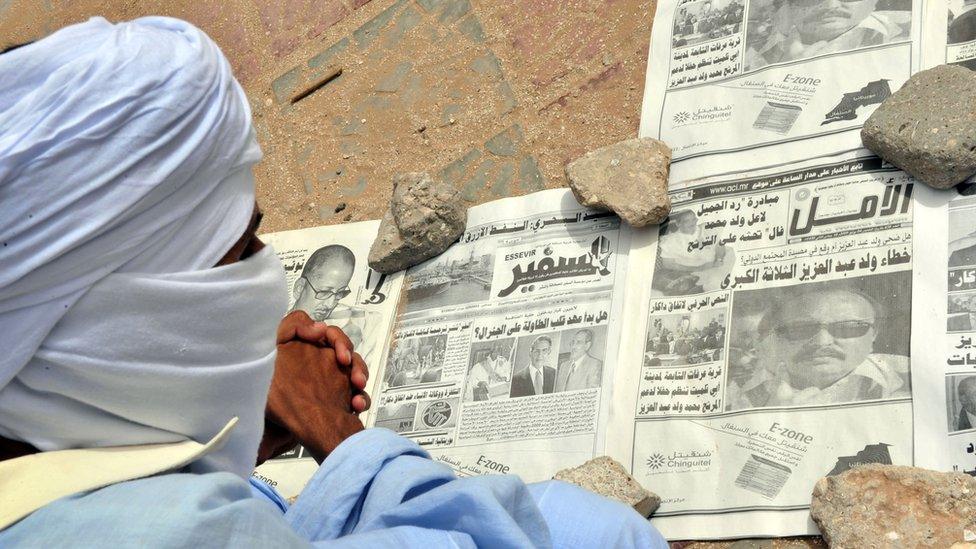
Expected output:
{"points": [[503, 345], [769, 341], [943, 329], [944, 326], [329, 279], [728, 77]]}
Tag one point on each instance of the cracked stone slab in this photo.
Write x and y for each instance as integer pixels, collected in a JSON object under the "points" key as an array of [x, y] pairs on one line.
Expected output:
{"points": [[928, 127]]}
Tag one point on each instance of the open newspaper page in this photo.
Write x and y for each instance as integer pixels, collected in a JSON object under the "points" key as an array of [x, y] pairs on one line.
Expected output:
{"points": [[504, 345], [944, 331], [770, 319], [328, 278], [726, 77]]}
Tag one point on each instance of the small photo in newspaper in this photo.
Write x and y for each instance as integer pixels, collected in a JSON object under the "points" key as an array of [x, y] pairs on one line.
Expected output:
{"points": [[460, 275], [961, 34], [961, 402], [416, 361], [697, 22]]}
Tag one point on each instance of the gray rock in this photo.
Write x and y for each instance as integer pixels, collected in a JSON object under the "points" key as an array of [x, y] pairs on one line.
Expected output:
{"points": [[895, 506], [928, 127], [629, 177], [608, 478], [424, 219]]}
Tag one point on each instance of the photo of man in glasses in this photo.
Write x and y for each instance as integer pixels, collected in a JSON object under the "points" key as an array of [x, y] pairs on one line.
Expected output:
{"points": [[320, 289], [819, 344], [787, 30]]}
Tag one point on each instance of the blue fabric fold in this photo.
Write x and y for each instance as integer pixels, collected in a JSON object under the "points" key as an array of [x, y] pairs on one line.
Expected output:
{"points": [[376, 489]]}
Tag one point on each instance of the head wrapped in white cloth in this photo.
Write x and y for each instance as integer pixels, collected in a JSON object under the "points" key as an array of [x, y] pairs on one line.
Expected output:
{"points": [[125, 155]]}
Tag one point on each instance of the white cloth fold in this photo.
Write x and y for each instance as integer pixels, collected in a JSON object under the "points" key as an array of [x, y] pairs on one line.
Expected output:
{"points": [[145, 359], [125, 155]]}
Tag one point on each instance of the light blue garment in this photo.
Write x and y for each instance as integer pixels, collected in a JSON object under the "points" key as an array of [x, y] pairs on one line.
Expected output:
{"points": [[376, 490]]}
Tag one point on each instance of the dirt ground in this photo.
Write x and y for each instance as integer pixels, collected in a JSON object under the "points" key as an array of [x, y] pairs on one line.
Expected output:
{"points": [[422, 85], [494, 97]]}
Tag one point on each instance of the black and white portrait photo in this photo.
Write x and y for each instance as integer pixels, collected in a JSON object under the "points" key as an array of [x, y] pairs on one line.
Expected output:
{"points": [[416, 360], [323, 290], [961, 402], [489, 370], [535, 365], [580, 359], [780, 31], [697, 21], [822, 343], [682, 268], [688, 338], [462, 274]]}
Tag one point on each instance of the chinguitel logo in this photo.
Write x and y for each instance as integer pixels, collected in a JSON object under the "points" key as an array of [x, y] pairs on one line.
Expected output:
{"points": [[656, 461], [681, 117]]}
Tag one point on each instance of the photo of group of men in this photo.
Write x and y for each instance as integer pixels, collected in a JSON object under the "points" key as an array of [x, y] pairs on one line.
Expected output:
{"points": [[416, 360], [824, 343], [698, 21], [569, 360], [682, 339]]}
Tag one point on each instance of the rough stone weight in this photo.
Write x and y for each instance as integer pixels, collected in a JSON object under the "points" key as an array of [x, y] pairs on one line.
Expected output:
{"points": [[629, 177], [608, 478], [425, 211], [928, 127], [895, 506], [423, 220]]}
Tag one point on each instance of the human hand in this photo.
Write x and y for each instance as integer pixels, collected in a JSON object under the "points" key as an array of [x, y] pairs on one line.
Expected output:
{"points": [[298, 326], [309, 401]]}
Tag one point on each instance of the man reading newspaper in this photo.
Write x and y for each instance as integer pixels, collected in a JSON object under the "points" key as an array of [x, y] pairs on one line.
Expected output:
{"points": [[139, 310]]}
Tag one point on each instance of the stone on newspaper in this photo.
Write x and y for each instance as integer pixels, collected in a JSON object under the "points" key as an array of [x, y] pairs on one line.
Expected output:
{"points": [[629, 177], [608, 478], [424, 219], [928, 127], [895, 506]]}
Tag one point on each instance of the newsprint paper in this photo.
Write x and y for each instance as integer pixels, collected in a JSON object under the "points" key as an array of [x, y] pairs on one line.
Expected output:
{"points": [[814, 280], [767, 343], [798, 77], [944, 302], [328, 278], [944, 331], [501, 348], [760, 339]]}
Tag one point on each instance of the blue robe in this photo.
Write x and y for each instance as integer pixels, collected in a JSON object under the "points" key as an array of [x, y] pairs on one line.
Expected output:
{"points": [[376, 489]]}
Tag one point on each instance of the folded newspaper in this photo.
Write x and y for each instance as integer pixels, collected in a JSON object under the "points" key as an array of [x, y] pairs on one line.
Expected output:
{"points": [[758, 340]]}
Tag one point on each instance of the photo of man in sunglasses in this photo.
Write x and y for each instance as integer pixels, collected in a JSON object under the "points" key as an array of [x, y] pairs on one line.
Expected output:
{"points": [[798, 29], [817, 346]]}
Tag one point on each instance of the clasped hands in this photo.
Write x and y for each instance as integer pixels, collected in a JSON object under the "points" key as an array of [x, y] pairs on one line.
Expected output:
{"points": [[317, 391]]}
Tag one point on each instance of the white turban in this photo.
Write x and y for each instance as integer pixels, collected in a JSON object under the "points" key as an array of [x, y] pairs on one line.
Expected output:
{"points": [[125, 156]]}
